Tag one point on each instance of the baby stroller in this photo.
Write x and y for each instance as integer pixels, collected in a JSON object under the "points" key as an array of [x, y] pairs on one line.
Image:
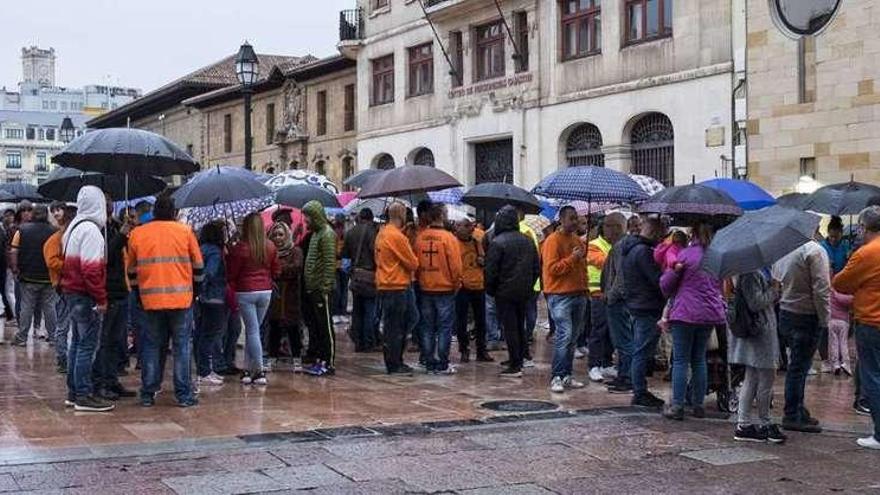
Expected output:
{"points": [[724, 380]]}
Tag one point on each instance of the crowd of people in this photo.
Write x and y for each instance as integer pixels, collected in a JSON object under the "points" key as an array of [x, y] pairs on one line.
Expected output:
{"points": [[615, 286]]}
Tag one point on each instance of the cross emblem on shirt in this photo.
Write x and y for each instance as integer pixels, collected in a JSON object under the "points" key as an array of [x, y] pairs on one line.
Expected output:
{"points": [[431, 252]]}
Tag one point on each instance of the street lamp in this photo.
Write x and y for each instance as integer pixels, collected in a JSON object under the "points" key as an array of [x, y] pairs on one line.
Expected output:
{"points": [[68, 131], [247, 68]]}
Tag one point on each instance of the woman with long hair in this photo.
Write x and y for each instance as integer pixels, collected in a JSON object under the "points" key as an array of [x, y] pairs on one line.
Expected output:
{"points": [[253, 263], [697, 309]]}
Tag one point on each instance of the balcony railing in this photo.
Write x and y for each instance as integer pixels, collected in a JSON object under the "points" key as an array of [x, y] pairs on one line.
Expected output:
{"points": [[351, 25]]}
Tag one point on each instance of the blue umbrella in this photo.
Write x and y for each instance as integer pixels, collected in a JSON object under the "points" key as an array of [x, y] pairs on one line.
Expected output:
{"points": [[592, 184], [451, 196], [220, 185], [748, 196]]}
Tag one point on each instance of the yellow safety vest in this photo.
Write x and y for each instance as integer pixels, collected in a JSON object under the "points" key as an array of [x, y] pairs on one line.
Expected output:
{"points": [[525, 229], [594, 273]]}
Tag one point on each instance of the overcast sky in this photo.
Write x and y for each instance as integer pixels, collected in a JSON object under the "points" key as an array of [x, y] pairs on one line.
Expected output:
{"points": [[146, 43]]}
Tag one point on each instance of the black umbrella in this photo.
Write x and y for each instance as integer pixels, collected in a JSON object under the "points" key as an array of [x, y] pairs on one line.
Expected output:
{"points": [[220, 185], [361, 178], [18, 191], [847, 198], [123, 151], [792, 200], [758, 239], [406, 180], [63, 184], [495, 195], [691, 200], [298, 195]]}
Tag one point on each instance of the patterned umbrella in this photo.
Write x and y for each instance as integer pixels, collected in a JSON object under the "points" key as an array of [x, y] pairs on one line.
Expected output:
{"points": [[537, 223], [589, 207], [451, 196], [231, 212], [293, 177], [649, 184], [347, 197], [594, 184]]}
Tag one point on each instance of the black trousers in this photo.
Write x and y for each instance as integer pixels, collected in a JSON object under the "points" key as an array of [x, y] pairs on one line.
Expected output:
{"points": [[321, 329], [466, 300], [277, 330], [394, 309], [512, 315]]}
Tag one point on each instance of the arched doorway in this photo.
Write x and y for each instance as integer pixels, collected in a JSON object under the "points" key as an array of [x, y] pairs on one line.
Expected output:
{"points": [[653, 148], [320, 167], [384, 162], [584, 147], [424, 157]]}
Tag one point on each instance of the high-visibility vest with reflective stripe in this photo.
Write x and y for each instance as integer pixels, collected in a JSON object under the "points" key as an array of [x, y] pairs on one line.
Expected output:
{"points": [[594, 273], [164, 262], [525, 229]]}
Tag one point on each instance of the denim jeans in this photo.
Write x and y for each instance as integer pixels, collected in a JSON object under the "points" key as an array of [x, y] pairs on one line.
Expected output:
{"points": [[868, 347], [363, 321], [689, 351], [394, 308], [36, 297], [645, 335], [801, 334], [62, 328], [106, 367], [438, 314], [210, 327], [165, 325], [340, 294], [231, 333], [253, 307], [568, 312], [86, 326], [493, 328], [621, 329]]}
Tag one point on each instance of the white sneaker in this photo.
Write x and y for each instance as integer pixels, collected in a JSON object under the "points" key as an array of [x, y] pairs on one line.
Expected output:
{"points": [[246, 379], [450, 370], [596, 374], [217, 378], [826, 367], [569, 382], [812, 372], [211, 379], [869, 443], [297, 365], [528, 363], [556, 385], [609, 373], [196, 389], [580, 352]]}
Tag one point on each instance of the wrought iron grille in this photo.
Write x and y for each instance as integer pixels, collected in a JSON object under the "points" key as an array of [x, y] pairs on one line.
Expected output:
{"points": [[653, 148], [494, 161], [385, 162], [424, 157], [351, 25], [584, 147]]}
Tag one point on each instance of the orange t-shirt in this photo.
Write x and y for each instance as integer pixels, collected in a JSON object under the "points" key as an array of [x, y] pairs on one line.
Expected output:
{"points": [[471, 268], [562, 272], [439, 261], [395, 261]]}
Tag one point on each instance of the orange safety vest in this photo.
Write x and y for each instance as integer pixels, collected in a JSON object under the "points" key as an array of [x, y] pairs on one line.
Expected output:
{"points": [[164, 261]]}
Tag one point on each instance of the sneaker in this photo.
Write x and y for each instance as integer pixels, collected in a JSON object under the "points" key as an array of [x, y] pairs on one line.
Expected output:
{"points": [[826, 367], [216, 379], [317, 369], [404, 370], [188, 403], [846, 371], [750, 433], [570, 382], [580, 352], [869, 443], [107, 394], [297, 365], [246, 378], [674, 412], [609, 372], [801, 426], [91, 403], [148, 401], [812, 372], [260, 379], [556, 385], [528, 363], [210, 380], [620, 387], [596, 374], [648, 399], [510, 373], [123, 392], [69, 402], [196, 389], [774, 434], [861, 407], [450, 370]]}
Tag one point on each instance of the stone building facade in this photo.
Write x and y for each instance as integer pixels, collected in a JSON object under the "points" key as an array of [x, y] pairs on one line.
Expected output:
{"points": [[814, 99], [517, 94]]}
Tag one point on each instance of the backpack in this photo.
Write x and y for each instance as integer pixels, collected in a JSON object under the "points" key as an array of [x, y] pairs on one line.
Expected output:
{"points": [[742, 321]]}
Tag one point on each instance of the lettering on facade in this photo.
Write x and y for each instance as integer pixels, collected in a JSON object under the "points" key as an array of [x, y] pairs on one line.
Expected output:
{"points": [[493, 85]]}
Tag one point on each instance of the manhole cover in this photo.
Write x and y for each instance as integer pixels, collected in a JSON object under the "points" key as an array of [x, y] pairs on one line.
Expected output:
{"points": [[519, 406]]}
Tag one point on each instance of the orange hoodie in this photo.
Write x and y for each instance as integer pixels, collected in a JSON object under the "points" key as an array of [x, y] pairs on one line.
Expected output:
{"points": [[472, 270], [439, 261], [395, 261], [861, 278], [54, 257], [562, 272]]}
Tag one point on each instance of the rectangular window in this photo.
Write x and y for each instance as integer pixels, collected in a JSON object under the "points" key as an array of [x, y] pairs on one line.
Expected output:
{"points": [[349, 107], [421, 70], [50, 134], [521, 26], [383, 80], [489, 51], [13, 159], [380, 4], [31, 134], [41, 134], [42, 166], [456, 49], [64, 105], [270, 123], [321, 107], [14, 133], [581, 28], [647, 20], [45, 104], [53, 104], [227, 133]]}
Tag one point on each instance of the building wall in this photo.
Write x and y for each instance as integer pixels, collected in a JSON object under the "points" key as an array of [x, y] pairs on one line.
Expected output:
{"points": [[265, 154], [841, 128], [179, 124]]}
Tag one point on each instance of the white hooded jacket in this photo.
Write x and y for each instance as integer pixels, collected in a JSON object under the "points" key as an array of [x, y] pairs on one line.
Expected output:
{"points": [[85, 270]]}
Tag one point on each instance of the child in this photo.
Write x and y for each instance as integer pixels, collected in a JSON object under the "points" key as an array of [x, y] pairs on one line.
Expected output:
{"points": [[666, 254], [838, 331]]}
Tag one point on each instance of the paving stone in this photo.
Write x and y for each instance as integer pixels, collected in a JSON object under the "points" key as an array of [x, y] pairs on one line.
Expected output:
{"points": [[645, 445], [7, 483], [523, 489], [302, 477], [173, 468], [246, 461], [44, 480], [403, 446], [725, 456], [653, 483], [376, 487], [231, 483], [346, 431], [303, 454]]}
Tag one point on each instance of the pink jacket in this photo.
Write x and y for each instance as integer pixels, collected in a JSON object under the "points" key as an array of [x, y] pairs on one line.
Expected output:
{"points": [[666, 254], [840, 305]]}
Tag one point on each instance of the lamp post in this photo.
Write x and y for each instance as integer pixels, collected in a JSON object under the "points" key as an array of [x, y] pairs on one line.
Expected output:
{"points": [[68, 131], [247, 68]]}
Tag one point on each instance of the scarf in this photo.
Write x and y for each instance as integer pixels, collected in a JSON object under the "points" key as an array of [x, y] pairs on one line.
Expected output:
{"points": [[287, 247]]}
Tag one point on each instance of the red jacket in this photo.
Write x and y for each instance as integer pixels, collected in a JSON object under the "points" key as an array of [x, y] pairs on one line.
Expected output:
{"points": [[245, 275]]}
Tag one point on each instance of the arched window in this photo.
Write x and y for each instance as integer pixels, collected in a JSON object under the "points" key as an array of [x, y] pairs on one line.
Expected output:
{"points": [[347, 167], [804, 18], [424, 157], [293, 165], [653, 150], [584, 147], [320, 168], [385, 162]]}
